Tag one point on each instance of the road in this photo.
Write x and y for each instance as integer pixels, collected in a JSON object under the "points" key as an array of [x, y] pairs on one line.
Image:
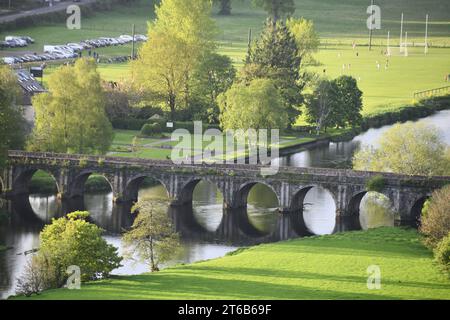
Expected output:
{"points": [[56, 7]]}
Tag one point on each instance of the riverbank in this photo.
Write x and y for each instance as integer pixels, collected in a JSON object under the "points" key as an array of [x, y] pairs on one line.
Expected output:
{"points": [[327, 267]]}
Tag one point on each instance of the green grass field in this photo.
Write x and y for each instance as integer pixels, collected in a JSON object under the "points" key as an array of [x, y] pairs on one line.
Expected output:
{"points": [[329, 267], [337, 24]]}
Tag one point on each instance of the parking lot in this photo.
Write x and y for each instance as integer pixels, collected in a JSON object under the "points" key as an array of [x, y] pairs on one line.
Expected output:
{"points": [[69, 50]]}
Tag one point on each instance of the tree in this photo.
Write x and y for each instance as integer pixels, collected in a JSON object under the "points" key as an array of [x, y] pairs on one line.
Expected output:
{"points": [[74, 241], [436, 218], [182, 33], [442, 254], [213, 76], [320, 106], [258, 105], [151, 237], [276, 8], [275, 56], [411, 149], [71, 117], [305, 36], [225, 7], [12, 124], [349, 102]]}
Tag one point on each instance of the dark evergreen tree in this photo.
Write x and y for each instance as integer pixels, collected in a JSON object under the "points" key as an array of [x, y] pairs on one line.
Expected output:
{"points": [[276, 8], [224, 7], [275, 56]]}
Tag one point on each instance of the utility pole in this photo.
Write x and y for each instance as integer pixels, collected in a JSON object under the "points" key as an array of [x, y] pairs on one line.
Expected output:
{"points": [[401, 34], [426, 34], [133, 32], [371, 30]]}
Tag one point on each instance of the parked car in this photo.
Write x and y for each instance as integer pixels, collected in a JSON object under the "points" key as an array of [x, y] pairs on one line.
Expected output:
{"points": [[9, 60]]}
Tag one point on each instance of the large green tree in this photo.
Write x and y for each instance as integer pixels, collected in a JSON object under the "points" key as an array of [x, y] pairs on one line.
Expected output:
{"points": [[182, 33], [334, 103], [320, 106], [12, 124], [257, 105], [71, 117], [276, 9], [410, 148], [275, 56], [213, 76]]}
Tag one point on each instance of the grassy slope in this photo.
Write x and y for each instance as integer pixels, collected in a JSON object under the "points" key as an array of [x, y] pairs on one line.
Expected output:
{"points": [[330, 267]]}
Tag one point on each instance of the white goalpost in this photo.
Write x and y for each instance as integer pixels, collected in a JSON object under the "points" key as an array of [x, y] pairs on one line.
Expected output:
{"points": [[404, 38]]}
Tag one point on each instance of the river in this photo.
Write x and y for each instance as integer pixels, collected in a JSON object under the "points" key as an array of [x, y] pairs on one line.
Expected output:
{"points": [[21, 233]]}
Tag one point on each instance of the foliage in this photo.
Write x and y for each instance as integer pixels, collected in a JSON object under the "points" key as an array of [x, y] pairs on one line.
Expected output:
{"points": [[74, 241], [334, 103], [263, 106], [276, 8], [12, 124], [442, 254], [151, 238], [72, 121], [376, 184], [214, 75], [275, 56], [182, 33], [225, 7], [32, 280], [436, 218], [151, 129], [305, 36], [320, 106], [349, 102], [376, 211], [411, 149]]}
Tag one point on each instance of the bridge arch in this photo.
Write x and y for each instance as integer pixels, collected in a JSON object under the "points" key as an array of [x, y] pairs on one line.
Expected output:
{"points": [[416, 210], [21, 184], [79, 183], [133, 184], [305, 220], [360, 221], [240, 198]]}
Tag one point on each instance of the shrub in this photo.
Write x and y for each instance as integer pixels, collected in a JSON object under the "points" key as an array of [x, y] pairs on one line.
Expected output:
{"points": [[151, 129], [436, 217], [442, 254], [74, 241], [376, 184]]}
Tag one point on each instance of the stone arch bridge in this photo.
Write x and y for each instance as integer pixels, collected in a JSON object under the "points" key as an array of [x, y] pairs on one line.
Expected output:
{"points": [[406, 193]]}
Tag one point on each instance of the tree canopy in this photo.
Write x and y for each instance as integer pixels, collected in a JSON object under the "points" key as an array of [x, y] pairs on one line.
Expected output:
{"points": [[334, 103], [275, 56], [71, 117], [257, 105], [305, 36], [152, 238], [411, 148], [182, 33], [12, 124]]}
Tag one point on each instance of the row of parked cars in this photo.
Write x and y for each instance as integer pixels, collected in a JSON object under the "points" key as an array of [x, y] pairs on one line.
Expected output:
{"points": [[72, 50], [16, 42]]}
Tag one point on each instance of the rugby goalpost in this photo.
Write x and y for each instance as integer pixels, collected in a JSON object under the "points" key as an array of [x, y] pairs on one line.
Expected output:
{"points": [[404, 38]]}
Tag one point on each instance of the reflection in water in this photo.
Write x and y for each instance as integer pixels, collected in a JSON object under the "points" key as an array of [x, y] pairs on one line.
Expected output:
{"points": [[45, 206], [376, 211], [262, 208], [319, 212], [207, 206]]}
